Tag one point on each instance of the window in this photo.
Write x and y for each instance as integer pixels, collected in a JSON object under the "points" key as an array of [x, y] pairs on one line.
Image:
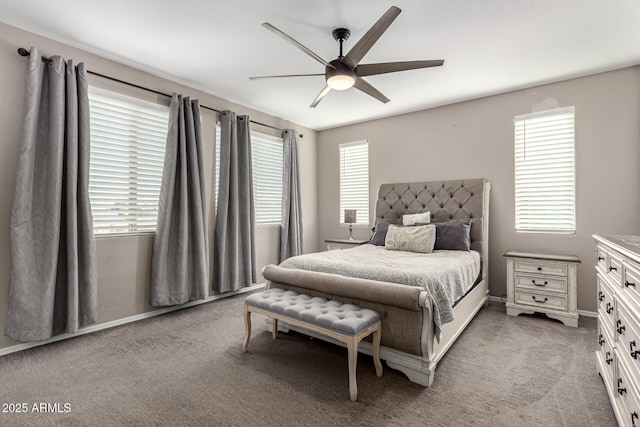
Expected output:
{"points": [[354, 180], [266, 155], [545, 172], [128, 138]]}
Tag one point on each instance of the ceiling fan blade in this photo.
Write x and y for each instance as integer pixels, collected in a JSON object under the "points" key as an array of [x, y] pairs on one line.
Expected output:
{"points": [[284, 75], [364, 86], [391, 67], [321, 95], [297, 44], [361, 48]]}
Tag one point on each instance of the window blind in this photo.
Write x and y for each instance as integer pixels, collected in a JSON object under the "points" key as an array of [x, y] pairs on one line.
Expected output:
{"points": [[545, 172], [354, 180], [266, 156], [128, 138]]}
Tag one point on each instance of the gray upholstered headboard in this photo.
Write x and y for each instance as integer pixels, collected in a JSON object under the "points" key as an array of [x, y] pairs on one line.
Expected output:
{"points": [[467, 198]]}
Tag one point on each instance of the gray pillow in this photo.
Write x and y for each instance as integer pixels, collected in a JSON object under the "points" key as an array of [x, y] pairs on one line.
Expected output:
{"points": [[379, 233], [453, 235]]}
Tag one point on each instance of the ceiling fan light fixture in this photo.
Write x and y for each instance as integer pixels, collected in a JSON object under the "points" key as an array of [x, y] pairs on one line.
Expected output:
{"points": [[340, 82], [340, 77]]}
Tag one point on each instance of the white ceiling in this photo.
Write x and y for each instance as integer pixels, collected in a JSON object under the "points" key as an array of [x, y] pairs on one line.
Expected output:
{"points": [[489, 46]]}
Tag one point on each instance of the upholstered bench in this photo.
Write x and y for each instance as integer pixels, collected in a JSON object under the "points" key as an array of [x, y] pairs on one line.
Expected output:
{"points": [[346, 323]]}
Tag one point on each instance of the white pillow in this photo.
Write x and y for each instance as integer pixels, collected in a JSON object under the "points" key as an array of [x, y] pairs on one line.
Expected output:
{"points": [[416, 218], [411, 239]]}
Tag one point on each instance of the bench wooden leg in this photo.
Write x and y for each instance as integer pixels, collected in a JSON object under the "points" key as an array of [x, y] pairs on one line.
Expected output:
{"points": [[247, 325], [274, 331], [376, 351], [352, 348]]}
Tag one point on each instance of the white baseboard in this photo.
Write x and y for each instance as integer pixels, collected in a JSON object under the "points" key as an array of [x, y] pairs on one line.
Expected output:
{"points": [[584, 313], [125, 320]]}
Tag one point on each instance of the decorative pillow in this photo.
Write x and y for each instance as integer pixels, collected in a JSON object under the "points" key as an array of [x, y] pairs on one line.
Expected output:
{"points": [[412, 219], [379, 233], [411, 239], [453, 235]]}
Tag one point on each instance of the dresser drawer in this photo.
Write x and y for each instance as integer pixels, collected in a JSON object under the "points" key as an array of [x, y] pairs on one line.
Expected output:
{"points": [[631, 282], [605, 353], [541, 267], [626, 395], [601, 257], [628, 337], [538, 299], [606, 304], [537, 282], [614, 269]]}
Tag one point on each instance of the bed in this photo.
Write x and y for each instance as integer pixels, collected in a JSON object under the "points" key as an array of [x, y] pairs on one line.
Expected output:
{"points": [[418, 324]]}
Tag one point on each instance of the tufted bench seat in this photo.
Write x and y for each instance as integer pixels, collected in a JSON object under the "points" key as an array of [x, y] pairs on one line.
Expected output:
{"points": [[346, 323]]}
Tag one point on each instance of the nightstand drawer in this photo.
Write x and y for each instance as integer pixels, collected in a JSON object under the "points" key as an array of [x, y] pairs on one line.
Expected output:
{"points": [[554, 269], [538, 299], [547, 283]]}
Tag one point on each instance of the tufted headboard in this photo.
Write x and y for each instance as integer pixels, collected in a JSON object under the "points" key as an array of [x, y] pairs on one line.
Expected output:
{"points": [[467, 198]]}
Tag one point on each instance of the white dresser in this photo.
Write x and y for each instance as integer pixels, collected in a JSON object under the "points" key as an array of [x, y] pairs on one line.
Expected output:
{"points": [[618, 353], [542, 283]]}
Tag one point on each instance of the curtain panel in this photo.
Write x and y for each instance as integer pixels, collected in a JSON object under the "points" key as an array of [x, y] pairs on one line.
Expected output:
{"points": [[291, 226], [234, 257], [179, 265], [53, 252]]}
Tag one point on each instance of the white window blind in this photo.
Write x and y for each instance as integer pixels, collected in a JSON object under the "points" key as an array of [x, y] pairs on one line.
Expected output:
{"points": [[266, 156], [354, 180], [128, 138], [545, 172]]}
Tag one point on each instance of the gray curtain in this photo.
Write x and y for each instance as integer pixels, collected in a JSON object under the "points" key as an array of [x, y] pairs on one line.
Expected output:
{"points": [[291, 227], [234, 257], [53, 253], [180, 252]]}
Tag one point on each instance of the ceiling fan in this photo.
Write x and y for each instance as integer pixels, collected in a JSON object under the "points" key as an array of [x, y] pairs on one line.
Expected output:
{"points": [[346, 71]]}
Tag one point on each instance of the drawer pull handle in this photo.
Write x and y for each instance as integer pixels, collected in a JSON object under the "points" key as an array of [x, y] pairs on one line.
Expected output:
{"points": [[538, 284], [608, 359], [600, 258], [634, 417], [600, 296], [620, 327], [540, 300], [609, 308], [633, 354], [601, 340], [627, 284], [613, 268], [539, 268], [622, 390]]}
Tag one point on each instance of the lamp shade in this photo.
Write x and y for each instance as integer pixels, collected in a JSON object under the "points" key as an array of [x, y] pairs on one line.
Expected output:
{"points": [[349, 216]]}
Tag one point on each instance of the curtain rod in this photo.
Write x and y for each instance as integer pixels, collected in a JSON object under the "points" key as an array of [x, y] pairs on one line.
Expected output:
{"points": [[24, 52]]}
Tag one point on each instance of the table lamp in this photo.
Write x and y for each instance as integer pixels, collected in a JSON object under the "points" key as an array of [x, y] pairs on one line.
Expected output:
{"points": [[350, 219]]}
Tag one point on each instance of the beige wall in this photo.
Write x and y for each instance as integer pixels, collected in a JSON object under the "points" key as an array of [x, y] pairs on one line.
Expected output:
{"points": [[475, 139], [123, 262]]}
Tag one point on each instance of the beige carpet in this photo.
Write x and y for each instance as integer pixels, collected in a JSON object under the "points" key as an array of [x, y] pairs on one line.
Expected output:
{"points": [[186, 369]]}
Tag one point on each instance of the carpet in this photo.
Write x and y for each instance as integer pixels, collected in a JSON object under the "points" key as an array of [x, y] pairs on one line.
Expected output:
{"points": [[187, 368]]}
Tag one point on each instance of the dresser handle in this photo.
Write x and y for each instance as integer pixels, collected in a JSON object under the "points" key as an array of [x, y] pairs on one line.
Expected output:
{"points": [[634, 417], [627, 284], [613, 268], [607, 358], [600, 296], [633, 354], [621, 390], [620, 327], [537, 284], [600, 258], [601, 340], [609, 308], [539, 268], [540, 301]]}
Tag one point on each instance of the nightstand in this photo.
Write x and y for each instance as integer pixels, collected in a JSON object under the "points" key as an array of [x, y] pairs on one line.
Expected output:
{"points": [[333, 244], [542, 283]]}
